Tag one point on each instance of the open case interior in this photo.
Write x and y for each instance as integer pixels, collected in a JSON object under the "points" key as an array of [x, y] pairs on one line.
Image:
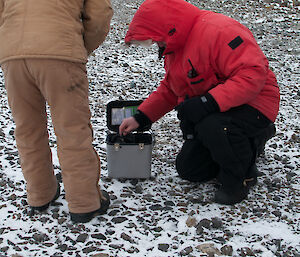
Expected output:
{"points": [[132, 138], [117, 111]]}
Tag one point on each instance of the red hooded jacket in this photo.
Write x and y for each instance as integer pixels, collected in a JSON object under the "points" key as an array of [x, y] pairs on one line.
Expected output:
{"points": [[205, 52]]}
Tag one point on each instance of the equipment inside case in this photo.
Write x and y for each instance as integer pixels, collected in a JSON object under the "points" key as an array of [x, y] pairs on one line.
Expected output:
{"points": [[127, 156]]}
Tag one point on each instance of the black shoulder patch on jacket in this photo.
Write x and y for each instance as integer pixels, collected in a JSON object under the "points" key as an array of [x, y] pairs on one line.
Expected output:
{"points": [[236, 42]]}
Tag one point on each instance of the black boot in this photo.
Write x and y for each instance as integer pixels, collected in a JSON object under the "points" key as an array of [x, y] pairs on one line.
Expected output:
{"points": [[86, 217], [251, 176], [45, 206], [229, 196]]}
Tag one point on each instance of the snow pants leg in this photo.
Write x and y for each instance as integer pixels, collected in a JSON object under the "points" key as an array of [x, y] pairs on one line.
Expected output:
{"points": [[30, 83], [223, 147], [194, 162]]}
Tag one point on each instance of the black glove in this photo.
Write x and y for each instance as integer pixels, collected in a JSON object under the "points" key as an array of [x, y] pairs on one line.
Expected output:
{"points": [[187, 129], [196, 108], [144, 122]]}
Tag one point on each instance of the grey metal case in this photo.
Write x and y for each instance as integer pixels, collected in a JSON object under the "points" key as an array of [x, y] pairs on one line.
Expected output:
{"points": [[128, 156]]}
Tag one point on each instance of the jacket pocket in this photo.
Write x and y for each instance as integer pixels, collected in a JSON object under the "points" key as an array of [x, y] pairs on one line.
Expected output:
{"points": [[200, 78], [202, 83]]}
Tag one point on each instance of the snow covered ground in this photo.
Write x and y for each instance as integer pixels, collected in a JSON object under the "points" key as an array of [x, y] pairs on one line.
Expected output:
{"points": [[166, 216]]}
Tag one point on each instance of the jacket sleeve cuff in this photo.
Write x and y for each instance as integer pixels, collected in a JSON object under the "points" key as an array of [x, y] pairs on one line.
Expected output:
{"points": [[144, 122], [214, 107]]}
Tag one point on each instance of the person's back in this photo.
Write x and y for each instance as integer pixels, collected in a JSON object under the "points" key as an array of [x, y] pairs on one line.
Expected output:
{"points": [[64, 29], [44, 46]]}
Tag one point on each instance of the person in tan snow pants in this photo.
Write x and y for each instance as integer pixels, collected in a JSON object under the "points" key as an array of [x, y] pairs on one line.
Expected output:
{"points": [[44, 47]]}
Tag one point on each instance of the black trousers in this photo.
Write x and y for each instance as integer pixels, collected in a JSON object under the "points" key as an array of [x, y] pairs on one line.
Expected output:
{"points": [[225, 146]]}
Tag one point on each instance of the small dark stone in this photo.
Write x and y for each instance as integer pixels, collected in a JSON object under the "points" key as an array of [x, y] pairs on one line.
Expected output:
{"points": [[227, 250], [113, 212], [43, 219], [4, 249], [12, 197], [10, 242], [220, 239], [148, 197], [277, 213], [99, 236], [276, 198], [23, 201], [196, 199], [131, 225], [81, 238], [39, 237], [172, 219], [206, 223], [126, 237], [55, 215], [133, 182], [244, 216], [138, 189], [133, 250], [199, 230], [246, 251], [116, 246], [89, 249], [102, 219], [61, 220], [228, 233], [169, 203], [63, 247], [118, 220], [273, 145], [3, 183], [277, 157], [186, 251], [158, 229], [163, 247], [216, 222], [155, 207], [17, 248], [109, 231]]}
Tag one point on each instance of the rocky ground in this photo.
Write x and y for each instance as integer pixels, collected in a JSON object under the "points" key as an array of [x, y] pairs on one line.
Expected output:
{"points": [[166, 216]]}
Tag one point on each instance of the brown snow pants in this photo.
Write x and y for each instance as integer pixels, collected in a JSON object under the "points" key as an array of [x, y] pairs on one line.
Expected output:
{"points": [[30, 84]]}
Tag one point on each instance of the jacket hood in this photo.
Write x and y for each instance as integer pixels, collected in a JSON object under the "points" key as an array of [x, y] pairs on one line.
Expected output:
{"points": [[168, 21]]}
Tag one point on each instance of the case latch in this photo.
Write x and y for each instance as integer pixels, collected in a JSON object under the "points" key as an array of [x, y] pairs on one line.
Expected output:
{"points": [[141, 146], [117, 147]]}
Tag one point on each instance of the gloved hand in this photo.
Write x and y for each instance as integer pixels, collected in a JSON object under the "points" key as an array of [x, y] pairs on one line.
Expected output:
{"points": [[187, 129], [196, 108], [139, 121]]}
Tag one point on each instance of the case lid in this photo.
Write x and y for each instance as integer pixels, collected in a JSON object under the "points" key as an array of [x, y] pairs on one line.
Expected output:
{"points": [[118, 110]]}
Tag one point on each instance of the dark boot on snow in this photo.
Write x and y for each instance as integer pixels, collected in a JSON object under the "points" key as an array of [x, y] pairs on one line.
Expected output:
{"points": [[86, 217]]}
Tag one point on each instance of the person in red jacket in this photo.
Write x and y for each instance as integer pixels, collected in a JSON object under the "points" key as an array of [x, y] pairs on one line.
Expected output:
{"points": [[219, 81]]}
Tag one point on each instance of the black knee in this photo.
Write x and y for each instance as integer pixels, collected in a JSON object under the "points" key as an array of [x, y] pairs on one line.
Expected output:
{"points": [[196, 166], [260, 140], [182, 167]]}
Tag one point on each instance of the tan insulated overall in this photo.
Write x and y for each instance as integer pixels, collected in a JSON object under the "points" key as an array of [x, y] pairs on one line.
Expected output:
{"points": [[43, 53]]}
